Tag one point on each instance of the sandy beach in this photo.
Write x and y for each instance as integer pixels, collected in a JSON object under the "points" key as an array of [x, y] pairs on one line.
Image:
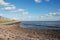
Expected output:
{"points": [[18, 33]]}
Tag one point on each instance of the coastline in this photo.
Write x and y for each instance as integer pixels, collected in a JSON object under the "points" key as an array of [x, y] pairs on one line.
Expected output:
{"points": [[27, 34]]}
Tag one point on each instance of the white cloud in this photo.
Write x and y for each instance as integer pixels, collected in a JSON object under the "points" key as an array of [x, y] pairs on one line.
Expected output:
{"points": [[47, 17], [25, 13], [21, 10], [55, 14], [3, 3], [50, 17], [37, 1], [31, 18], [8, 8], [47, 0], [15, 18], [1, 14], [41, 16]]}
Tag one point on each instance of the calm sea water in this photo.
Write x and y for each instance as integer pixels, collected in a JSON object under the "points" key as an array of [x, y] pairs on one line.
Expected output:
{"points": [[41, 25]]}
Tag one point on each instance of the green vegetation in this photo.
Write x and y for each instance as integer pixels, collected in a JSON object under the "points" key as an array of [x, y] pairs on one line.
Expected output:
{"points": [[1, 39], [4, 21], [7, 21]]}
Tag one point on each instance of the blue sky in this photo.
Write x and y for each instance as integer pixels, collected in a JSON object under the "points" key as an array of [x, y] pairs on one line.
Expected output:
{"points": [[31, 10]]}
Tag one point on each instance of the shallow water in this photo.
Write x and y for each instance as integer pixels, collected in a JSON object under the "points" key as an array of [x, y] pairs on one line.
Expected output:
{"points": [[41, 25]]}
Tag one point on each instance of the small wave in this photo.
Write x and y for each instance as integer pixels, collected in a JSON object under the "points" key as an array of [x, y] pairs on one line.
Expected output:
{"points": [[49, 26]]}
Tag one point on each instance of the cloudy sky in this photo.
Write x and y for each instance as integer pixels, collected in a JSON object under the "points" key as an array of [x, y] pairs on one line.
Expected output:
{"points": [[31, 10]]}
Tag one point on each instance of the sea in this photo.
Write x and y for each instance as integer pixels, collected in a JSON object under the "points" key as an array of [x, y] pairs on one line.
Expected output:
{"points": [[41, 25]]}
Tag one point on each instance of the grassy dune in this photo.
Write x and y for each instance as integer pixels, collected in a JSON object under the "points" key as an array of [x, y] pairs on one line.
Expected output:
{"points": [[6, 21]]}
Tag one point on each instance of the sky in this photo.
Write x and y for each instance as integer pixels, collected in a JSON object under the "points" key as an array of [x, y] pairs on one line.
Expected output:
{"points": [[31, 10]]}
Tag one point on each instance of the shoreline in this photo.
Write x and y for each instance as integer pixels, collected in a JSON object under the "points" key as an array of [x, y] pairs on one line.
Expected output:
{"points": [[27, 34]]}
